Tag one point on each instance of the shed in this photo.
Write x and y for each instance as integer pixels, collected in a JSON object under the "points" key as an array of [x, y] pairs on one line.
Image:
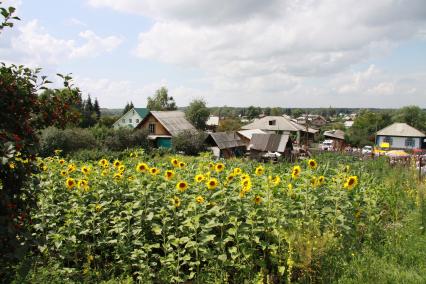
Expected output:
{"points": [[226, 144], [260, 144]]}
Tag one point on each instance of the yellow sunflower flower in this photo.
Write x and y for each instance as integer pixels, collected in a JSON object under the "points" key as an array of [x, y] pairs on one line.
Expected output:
{"points": [[246, 184], [64, 173], [70, 183], [230, 177], [182, 165], [174, 162], [104, 173], [199, 178], [169, 174], [176, 201], [117, 163], [182, 186], [259, 171], [275, 181], [85, 170], [257, 199], [219, 167], [118, 175], [142, 167], [103, 163], [212, 183], [295, 172], [237, 171], [351, 182], [61, 161], [321, 180], [312, 164], [199, 199], [71, 168], [154, 171], [83, 184]]}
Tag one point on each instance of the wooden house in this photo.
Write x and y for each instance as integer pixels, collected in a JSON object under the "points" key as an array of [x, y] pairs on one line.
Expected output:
{"points": [[132, 118], [226, 144], [263, 144], [401, 136]]}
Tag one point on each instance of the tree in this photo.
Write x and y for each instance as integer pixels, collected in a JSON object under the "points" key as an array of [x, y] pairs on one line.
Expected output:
{"points": [[128, 107], [412, 115], [97, 109], [229, 124], [276, 111], [253, 112], [190, 142], [198, 113], [161, 101]]}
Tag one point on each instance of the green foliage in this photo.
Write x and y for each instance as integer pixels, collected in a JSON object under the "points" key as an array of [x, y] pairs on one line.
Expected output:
{"points": [[229, 124], [124, 222], [161, 101], [7, 14], [197, 113], [413, 116], [253, 112], [189, 142], [107, 121], [124, 138], [128, 107], [365, 126]]}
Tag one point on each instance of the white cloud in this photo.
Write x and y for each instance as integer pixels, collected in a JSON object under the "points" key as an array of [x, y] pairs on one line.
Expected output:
{"points": [[34, 45]]}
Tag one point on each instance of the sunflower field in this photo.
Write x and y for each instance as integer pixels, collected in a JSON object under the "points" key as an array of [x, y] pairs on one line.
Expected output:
{"points": [[194, 220]]}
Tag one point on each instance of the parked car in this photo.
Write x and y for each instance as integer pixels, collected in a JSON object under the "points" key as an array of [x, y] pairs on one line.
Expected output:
{"points": [[327, 145], [367, 150]]}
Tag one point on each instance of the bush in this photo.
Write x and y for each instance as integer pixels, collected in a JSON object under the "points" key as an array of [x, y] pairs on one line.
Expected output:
{"points": [[124, 138], [68, 140], [189, 142]]}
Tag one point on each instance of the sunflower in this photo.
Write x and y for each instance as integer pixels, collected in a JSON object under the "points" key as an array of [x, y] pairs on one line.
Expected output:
{"points": [[290, 186], [351, 182], [85, 170], [64, 173], [259, 171], [118, 175], [246, 185], [142, 167], [176, 201], [117, 163], [174, 162], [257, 199], [295, 172], [57, 152], [182, 165], [71, 168], [199, 178], [103, 163], [154, 171], [219, 167], [274, 180], [212, 183], [182, 186], [104, 173], [83, 184], [242, 193], [245, 176], [70, 183], [237, 171], [321, 180], [312, 164], [169, 174], [61, 161], [230, 177], [199, 199], [314, 181]]}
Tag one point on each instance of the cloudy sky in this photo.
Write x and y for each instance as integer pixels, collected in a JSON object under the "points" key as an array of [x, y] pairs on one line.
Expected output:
{"points": [[286, 53]]}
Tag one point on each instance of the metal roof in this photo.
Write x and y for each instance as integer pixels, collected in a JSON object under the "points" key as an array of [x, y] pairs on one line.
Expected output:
{"points": [[400, 129], [249, 133], [226, 140], [275, 123], [174, 121], [141, 111], [339, 134], [269, 142]]}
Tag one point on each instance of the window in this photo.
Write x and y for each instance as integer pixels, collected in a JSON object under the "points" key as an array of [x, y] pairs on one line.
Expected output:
{"points": [[151, 128], [130, 120], [137, 120], [272, 122], [388, 139], [409, 142]]}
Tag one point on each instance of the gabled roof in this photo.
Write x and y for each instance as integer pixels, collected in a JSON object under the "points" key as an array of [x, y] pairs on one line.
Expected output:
{"points": [[249, 133], [303, 128], [269, 142], [280, 124], [338, 134], [225, 140], [174, 121], [141, 111], [400, 129]]}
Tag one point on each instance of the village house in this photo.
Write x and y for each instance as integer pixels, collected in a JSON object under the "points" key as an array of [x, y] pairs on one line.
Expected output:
{"points": [[246, 135], [268, 145], [225, 144], [313, 120], [401, 136], [132, 118], [163, 125], [338, 137]]}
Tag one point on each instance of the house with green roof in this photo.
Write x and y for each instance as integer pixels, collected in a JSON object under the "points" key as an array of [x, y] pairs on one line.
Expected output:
{"points": [[132, 118]]}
